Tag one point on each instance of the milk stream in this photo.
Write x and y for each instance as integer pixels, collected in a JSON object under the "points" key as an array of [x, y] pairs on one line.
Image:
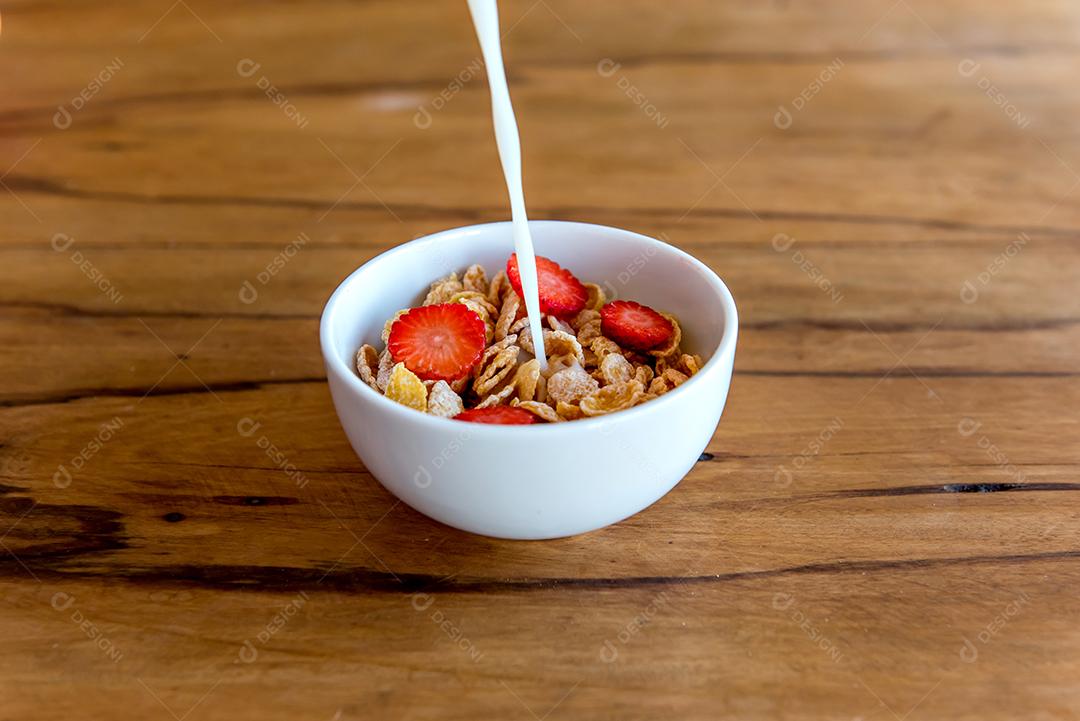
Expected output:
{"points": [[485, 16]]}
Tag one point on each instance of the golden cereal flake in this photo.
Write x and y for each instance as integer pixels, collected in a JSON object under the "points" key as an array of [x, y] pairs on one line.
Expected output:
{"points": [[492, 350], [557, 342], [541, 389], [367, 364], [674, 377], [604, 346], [568, 411], [386, 364], [496, 370], [672, 346], [474, 300], [689, 364], [615, 369], [540, 410], [497, 398], [589, 332], [591, 359], [570, 385], [498, 287], [597, 298], [458, 385], [520, 326], [583, 318], [390, 324], [507, 316], [442, 290], [475, 279], [609, 399], [560, 325], [443, 401], [643, 374], [526, 378], [658, 386], [406, 388]]}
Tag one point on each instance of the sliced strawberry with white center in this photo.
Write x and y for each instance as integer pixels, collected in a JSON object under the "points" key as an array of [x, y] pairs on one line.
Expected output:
{"points": [[561, 294], [634, 326], [438, 342]]}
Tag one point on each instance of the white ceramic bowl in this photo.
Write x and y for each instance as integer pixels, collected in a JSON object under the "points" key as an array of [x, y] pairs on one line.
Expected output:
{"points": [[536, 481]]}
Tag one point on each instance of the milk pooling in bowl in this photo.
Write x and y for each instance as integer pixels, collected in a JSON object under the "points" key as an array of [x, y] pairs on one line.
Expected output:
{"points": [[485, 16]]}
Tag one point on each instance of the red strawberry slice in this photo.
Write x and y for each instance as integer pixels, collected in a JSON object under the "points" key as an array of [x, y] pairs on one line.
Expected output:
{"points": [[505, 415], [561, 294], [633, 325], [438, 342]]}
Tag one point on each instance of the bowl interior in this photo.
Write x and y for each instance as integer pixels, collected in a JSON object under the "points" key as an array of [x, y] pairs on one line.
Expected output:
{"points": [[627, 265]]}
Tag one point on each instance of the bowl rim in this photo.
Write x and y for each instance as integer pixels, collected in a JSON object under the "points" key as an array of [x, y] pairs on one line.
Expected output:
{"points": [[345, 370]]}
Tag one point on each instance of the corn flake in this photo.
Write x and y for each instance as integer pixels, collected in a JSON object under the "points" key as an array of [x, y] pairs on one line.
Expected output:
{"points": [[443, 401], [507, 316], [540, 410], [475, 279], [442, 290], [568, 411], [367, 364], [609, 399], [597, 298], [382, 377], [496, 370], [615, 369], [526, 378], [570, 385], [406, 388], [672, 346]]}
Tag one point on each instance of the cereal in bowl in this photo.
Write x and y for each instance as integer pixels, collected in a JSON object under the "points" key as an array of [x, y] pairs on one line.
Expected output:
{"points": [[466, 352]]}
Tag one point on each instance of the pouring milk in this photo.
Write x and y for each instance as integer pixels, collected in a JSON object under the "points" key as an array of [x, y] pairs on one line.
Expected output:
{"points": [[485, 16]]}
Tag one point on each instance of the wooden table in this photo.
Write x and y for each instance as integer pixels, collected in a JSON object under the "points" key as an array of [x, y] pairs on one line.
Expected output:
{"points": [[885, 524]]}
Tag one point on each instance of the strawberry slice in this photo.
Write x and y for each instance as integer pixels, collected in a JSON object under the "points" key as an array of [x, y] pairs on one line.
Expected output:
{"points": [[561, 294], [438, 342], [504, 415], [633, 325]]}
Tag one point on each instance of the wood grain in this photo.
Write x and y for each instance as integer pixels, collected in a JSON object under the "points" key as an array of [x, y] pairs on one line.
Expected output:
{"points": [[884, 525]]}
